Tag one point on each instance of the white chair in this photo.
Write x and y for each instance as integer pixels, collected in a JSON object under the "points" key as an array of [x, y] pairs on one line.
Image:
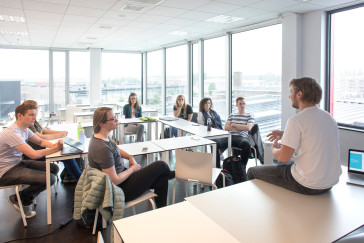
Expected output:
{"points": [[19, 201], [70, 110], [131, 135], [147, 195], [196, 167]]}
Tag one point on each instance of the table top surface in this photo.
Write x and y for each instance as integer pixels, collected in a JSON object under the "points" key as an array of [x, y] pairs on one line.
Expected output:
{"points": [[182, 142], [256, 211], [180, 222], [137, 148]]}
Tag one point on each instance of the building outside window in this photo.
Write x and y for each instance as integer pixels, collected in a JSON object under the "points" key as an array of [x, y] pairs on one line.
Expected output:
{"points": [[257, 74], [121, 75], [345, 99]]}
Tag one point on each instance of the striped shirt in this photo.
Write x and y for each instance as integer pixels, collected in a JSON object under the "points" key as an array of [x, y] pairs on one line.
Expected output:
{"points": [[10, 138], [242, 119]]}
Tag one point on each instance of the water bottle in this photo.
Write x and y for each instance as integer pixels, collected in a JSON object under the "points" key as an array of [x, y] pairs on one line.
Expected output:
{"points": [[209, 124], [80, 131]]}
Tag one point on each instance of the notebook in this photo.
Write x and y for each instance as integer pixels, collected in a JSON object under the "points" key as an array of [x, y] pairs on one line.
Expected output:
{"points": [[168, 118], [356, 167], [71, 146]]}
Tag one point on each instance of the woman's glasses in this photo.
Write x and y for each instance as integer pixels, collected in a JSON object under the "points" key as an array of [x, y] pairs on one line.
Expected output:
{"points": [[113, 119]]}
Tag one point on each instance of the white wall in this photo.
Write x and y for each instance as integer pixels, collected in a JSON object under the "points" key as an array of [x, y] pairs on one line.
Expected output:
{"points": [[306, 34]]}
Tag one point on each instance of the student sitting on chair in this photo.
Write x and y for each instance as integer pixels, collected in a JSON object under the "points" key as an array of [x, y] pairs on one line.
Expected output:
{"points": [[181, 110], [239, 124], [14, 170], [134, 110], [314, 135], [205, 112], [105, 155], [47, 134]]}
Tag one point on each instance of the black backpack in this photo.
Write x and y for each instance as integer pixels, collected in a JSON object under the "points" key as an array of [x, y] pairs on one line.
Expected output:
{"points": [[228, 179], [236, 168]]}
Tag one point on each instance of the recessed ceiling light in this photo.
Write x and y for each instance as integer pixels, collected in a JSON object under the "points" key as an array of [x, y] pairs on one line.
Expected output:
{"points": [[178, 33], [107, 27], [14, 33], [132, 8], [91, 38], [10, 18], [223, 19], [155, 2]]}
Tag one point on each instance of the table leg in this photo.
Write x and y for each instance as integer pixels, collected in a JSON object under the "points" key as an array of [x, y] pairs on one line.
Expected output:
{"points": [[229, 146], [149, 136], [165, 157], [162, 130], [156, 130], [213, 147], [49, 195]]}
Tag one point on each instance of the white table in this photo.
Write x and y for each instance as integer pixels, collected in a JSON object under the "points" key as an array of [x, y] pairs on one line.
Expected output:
{"points": [[84, 114], [170, 144], [180, 222], [137, 149], [124, 121], [196, 129], [256, 211], [57, 156]]}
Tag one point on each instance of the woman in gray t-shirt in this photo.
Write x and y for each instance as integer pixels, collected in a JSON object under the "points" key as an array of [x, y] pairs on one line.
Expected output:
{"points": [[106, 156]]}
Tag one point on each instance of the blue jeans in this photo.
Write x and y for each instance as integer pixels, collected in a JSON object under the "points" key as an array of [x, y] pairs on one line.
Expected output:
{"points": [[280, 175], [32, 173], [174, 131], [72, 167]]}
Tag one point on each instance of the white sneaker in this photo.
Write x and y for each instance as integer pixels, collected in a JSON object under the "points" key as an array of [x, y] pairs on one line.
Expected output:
{"points": [[28, 210]]}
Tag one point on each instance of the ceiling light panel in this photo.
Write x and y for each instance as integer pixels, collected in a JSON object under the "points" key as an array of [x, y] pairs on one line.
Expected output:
{"points": [[11, 18]]}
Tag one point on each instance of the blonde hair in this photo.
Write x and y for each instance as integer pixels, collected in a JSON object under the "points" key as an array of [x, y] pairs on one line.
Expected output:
{"points": [[184, 106]]}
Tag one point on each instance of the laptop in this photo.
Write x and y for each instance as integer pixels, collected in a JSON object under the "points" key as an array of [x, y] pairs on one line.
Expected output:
{"points": [[356, 167], [71, 146]]}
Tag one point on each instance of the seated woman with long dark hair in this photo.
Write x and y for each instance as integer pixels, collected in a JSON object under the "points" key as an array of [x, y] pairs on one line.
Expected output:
{"points": [[106, 156], [205, 112], [134, 110]]}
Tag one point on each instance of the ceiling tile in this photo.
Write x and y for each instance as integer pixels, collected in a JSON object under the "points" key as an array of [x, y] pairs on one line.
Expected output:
{"points": [[197, 15], [44, 7], [43, 15], [167, 11], [218, 8], [185, 4], [100, 4], [93, 12], [246, 12], [273, 5], [152, 18], [11, 4]]}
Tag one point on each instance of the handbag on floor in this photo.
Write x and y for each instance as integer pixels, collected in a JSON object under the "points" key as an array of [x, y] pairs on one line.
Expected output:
{"points": [[236, 168]]}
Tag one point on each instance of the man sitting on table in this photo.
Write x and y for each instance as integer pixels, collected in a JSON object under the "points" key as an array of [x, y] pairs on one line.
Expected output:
{"points": [[14, 170], [314, 135]]}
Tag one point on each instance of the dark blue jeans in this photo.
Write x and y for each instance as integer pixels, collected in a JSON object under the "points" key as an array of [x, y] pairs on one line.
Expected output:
{"points": [[72, 167], [32, 173], [280, 175]]}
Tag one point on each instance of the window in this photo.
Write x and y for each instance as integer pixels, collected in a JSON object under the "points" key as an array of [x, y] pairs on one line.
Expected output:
{"points": [[214, 77], [121, 75], [196, 96], [79, 77], [176, 71], [24, 75], [256, 74], [345, 99], [154, 80], [59, 78]]}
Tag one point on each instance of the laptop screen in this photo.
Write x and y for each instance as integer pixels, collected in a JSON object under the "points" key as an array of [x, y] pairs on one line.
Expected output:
{"points": [[356, 161]]}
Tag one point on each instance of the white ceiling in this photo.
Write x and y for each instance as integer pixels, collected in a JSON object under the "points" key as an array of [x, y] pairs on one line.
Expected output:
{"points": [[102, 23]]}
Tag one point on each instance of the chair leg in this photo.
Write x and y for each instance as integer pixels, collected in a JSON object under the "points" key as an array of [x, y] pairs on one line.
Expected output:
{"points": [[20, 206], [95, 221], [255, 156], [152, 202], [133, 209]]}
